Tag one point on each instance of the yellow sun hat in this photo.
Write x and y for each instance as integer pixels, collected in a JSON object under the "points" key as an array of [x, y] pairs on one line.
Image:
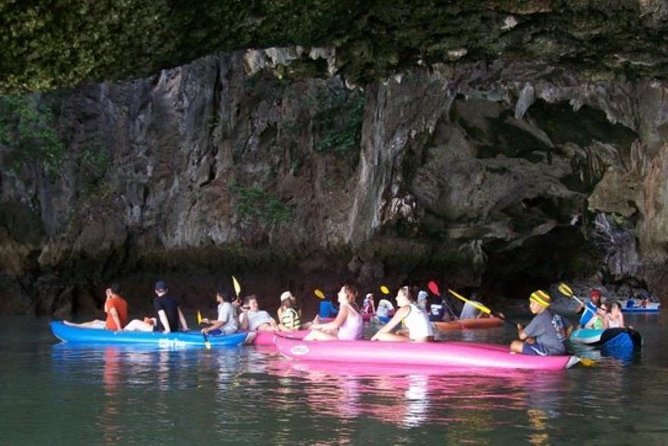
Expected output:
{"points": [[541, 298]]}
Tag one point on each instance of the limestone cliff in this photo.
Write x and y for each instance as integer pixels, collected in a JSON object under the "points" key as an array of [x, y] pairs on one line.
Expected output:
{"points": [[270, 166]]}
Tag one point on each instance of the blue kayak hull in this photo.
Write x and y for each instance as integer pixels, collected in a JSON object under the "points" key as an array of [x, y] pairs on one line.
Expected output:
{"points": [[635, 306], [586, 335], [193, 338], [611, 337]]}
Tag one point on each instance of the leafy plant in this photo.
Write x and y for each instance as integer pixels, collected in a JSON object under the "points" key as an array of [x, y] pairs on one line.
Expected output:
{"points": [[94, 163], [27, 128], [339, 119], [255, 203]]}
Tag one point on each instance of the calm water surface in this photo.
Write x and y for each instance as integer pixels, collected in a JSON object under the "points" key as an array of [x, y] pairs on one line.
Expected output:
{"points": [[58, 394]]}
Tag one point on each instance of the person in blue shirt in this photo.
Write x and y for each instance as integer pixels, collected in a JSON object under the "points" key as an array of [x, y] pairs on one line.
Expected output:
{"points": [[590, 307], [327, 308]]}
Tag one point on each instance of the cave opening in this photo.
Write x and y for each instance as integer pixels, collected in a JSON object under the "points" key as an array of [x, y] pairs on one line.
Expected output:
{"points": [[561, 254]]}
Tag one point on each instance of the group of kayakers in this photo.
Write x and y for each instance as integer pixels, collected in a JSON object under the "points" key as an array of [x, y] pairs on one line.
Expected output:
{"points": [[232, 316], [544, 335], [168, 315], [600, 315]]}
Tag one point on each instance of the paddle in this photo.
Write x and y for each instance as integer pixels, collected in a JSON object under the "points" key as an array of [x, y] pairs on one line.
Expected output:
{"points": [[319, 294], [384, 289], [444, 302], [207, 344], [237, 286], [587, 362], [433, 287], [568, 292]]}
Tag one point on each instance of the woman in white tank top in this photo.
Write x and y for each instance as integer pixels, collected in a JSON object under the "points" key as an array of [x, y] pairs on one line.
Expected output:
{"points": [[615, 316], [415, 320]]}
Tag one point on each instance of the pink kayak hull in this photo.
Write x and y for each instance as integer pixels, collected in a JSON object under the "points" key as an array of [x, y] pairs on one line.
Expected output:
{"points": [[267, 337], [432, 354]]}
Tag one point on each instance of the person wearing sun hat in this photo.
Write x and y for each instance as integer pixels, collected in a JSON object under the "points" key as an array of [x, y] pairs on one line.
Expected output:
{"points": [[288, 316], [547, 332]]}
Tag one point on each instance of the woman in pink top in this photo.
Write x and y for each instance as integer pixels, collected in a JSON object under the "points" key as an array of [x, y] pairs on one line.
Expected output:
{"points": [[348, 325]]}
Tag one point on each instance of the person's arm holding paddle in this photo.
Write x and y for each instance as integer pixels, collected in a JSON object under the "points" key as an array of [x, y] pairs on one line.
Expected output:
{"points": [[522, 336], [215, 325]]}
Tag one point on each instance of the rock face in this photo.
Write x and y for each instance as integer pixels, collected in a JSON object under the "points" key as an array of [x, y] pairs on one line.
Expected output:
{"points": [[503, 176]]}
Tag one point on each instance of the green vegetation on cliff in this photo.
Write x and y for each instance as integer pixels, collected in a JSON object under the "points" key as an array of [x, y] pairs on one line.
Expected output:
{"points": [[71, 42], [27, 128]]}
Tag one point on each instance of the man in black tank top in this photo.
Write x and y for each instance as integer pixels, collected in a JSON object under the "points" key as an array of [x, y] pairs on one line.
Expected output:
{"points": [[168, 310]]}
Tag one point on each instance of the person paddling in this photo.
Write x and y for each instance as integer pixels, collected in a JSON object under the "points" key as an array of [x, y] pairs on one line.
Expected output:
{"points": [[590, 307], [547, 332], [227, 321]]}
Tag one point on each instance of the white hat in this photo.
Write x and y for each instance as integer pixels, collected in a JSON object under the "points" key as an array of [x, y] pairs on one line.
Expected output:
{"points": [[422, 295], [286, 295]]}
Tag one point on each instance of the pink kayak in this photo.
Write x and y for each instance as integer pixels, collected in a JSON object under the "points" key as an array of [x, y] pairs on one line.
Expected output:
{"points": [[267, 337], [433, 354]]}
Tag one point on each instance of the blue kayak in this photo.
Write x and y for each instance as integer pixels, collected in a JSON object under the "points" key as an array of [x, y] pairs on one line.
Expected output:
{"points": [[611, 337], [637, 306], [586, 335], [192, 338]]}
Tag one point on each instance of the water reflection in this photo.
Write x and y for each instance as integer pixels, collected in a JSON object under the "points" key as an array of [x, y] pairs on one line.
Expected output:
{"points": [[466, 400], [93, 395], [111, 379], [624, 355]]}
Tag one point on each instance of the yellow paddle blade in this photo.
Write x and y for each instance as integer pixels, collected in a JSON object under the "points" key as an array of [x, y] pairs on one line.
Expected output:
{"points": [[384, 289], [237, 286], [319, 294], [587, 362], [476, 305], [565, 289], [207, 345], [199, 317]]}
